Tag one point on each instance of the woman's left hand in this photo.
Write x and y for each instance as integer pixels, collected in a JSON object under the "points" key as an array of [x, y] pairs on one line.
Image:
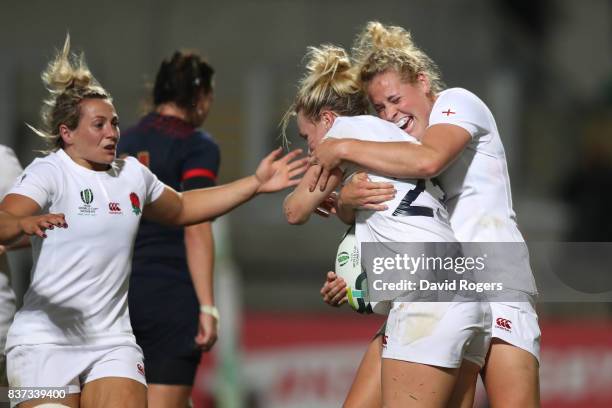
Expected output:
{"points": [[276, 174], [327, 156], [207, 331]]}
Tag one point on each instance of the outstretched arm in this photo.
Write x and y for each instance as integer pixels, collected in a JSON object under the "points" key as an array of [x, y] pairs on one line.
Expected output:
{"points": [[196, 206], [19, 217], [440, 145]]}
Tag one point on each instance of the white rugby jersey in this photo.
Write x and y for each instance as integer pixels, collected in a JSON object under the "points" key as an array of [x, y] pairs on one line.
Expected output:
{"points": [[477, 184], [10, 169], [80, 274], [417, 213]]}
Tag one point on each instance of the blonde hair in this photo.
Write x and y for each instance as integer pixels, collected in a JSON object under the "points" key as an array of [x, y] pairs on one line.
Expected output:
{"points": [[330, 82], [68, 81], [379, 48]]}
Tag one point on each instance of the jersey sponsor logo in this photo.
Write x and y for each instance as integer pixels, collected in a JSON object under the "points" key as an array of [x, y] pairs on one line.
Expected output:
{"points": [[140, 368], [135, 203], [503, 324], [144, 157], [87, 197], [114, 208], [448, 112]]}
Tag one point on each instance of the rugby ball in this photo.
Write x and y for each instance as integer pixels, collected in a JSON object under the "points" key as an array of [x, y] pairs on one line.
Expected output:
{"points": [[348, 267]]}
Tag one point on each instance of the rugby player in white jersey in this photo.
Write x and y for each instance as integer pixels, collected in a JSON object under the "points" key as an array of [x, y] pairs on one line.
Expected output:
{"points": [[460, 145], [82, 207], [10, 169], [330, 104]]}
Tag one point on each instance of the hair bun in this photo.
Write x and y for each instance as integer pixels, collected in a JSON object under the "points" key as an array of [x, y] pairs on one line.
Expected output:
{"points": [[376, 36], [67, 70]]}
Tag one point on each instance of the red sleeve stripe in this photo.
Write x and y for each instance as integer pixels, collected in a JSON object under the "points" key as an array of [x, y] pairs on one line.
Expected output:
{"points": [[199, 173]]}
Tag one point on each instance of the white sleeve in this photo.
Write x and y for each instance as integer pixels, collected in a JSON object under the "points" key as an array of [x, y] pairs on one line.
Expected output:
{"points": [[39, 182], [153, 187], [461, 108], [343, 129], [10, 169]]}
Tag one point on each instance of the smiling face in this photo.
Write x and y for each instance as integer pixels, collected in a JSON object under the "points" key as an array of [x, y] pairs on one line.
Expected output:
{"points": [[406, 104], [93, 143], [314, 131]]}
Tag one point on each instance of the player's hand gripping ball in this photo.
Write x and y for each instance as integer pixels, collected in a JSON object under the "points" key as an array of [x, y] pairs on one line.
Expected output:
{"points": [[348, 267]]}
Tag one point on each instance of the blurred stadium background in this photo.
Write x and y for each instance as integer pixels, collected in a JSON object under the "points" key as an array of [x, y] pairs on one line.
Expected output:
{"points": [[543, 66]]}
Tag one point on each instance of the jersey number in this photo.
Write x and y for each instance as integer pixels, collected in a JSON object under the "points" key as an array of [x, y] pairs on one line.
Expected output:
{"points": [[405, 206]]}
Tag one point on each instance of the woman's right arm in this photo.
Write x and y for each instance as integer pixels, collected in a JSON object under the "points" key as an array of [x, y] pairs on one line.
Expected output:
{"points": [[440, 146], [301, 202], [200, 205], [19, 216]]}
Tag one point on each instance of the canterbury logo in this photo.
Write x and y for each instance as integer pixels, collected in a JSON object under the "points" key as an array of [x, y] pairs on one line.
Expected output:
{"points": [[114, 207], [503, 323]]}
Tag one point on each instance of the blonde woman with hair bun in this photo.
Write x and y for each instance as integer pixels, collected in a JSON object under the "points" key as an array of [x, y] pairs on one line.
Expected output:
{"points": [[460, 146], [330, 104], [81, 207]]}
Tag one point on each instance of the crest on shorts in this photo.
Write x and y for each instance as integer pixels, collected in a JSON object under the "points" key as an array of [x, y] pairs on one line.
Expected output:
{"points": [[135, 203]]}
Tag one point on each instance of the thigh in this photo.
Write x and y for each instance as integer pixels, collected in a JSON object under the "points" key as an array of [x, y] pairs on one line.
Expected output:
{"points": [[365, 392], [168, 396], [511, 376], [111, 392], [72, 401], [465, 387], [406, 384]]}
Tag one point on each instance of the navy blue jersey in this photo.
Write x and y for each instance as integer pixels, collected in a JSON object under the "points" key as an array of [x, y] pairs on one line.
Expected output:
{"points": [[182, 157]]}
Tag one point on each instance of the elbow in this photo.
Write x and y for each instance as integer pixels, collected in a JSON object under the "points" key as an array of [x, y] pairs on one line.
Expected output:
{"points": [[429, 167], [293, 215], [294, 218]]}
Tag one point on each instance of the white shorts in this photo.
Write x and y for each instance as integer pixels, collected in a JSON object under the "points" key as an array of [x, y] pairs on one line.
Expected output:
{"points": [[49, 365], [439, 334], [517, 323]]}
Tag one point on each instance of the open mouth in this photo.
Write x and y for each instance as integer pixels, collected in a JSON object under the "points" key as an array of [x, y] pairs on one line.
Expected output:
{"points": [[404, 122], [110, 148]]}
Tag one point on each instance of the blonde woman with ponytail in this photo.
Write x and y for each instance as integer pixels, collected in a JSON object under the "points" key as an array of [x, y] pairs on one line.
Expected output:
{"points": [[460, 146], [393, 373], [81, 207]]}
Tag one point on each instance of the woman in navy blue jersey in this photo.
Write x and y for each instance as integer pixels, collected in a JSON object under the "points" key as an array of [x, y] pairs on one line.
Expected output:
{"points": [[171, 299]]}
